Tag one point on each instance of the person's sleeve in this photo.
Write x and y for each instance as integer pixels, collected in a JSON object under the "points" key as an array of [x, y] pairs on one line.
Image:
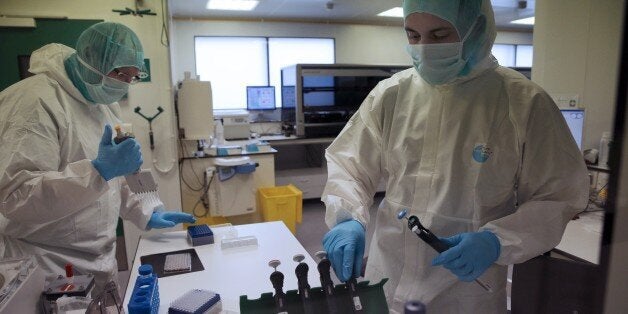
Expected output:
{"points": [[33, 187], [136, 208], [553, 186], [354, 167]]}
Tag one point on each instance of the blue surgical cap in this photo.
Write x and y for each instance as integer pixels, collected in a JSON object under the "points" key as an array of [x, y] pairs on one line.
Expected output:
{"points": [[106, 46], [462, 14]]}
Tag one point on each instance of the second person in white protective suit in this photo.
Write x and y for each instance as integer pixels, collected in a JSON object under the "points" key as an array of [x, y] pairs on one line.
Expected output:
{"points": [[61, 177], [480, 154]]}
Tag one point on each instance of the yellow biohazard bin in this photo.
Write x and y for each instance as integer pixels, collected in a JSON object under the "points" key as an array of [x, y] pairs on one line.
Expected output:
{"points": [[281, 203]]}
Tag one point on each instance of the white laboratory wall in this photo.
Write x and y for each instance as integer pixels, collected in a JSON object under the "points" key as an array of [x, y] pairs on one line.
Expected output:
{"points": [[356, 44], [576, 50], [146, 95]]}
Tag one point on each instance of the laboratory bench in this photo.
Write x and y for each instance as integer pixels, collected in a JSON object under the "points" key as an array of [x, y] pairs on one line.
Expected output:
{"points": [[192, 178], [230, 272], [583, 236]]}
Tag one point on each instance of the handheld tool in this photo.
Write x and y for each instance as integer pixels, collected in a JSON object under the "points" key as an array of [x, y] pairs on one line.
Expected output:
{"points": [[428, 237], [304, 287], [277, 280], [324, 267]]}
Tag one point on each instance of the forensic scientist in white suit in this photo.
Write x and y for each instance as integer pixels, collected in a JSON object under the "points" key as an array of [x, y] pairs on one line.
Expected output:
{"points": [[61, 177], [479, 153]]}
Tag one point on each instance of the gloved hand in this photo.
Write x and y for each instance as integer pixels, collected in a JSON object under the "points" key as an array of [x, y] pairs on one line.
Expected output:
{"points": [[168, 219], [116, 160], [470, 254], [344, 245]]}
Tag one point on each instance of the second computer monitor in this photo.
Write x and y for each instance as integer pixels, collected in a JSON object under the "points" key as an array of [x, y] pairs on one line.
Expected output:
{"points": [[260, 97]]}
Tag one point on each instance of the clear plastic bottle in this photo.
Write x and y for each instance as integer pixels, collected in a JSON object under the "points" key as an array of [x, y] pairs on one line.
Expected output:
{"points": [[605, 144]]}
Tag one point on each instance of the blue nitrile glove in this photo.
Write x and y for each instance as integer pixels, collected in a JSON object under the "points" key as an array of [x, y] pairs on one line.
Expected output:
{"points": [[344, 245], [168, 219], [116, 160], [470, 254]]}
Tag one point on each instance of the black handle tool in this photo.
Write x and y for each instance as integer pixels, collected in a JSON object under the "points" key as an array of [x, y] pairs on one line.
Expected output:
{"points": [[277, 280], [304, 287], [426, 235], [324, 268]]}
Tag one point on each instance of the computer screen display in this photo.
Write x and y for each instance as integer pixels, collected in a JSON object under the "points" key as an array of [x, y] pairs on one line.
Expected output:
{"points": [[260, 97], [288, 98], [575, 121]]}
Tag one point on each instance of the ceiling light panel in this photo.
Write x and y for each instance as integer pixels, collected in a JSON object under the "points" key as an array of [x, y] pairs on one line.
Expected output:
{"points": [[232, 5], [394, 12]]}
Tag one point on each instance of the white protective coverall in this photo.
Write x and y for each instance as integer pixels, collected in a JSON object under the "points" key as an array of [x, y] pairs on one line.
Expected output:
{"points": [[54, 203], [488, 151]]}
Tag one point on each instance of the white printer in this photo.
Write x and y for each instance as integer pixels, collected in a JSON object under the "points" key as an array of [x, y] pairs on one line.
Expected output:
{"points": [[235, 123]]}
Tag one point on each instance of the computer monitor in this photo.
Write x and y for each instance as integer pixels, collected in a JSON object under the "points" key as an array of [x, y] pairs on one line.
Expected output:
{"points": [[260, 97], [575, 121]]}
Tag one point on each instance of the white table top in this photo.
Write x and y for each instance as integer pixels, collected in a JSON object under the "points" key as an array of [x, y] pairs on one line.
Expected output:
{"points": [[231, 272], [583, 237]]}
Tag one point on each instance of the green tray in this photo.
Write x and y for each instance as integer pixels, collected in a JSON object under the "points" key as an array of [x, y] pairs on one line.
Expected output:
{"points": [[371, 296]]}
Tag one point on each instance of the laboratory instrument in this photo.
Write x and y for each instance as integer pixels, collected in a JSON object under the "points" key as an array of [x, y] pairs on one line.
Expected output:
{"points": [[319, 99], [428, 237], [304, 287], [276, 278], [235, 124], [195, 109], [196, 301], [141, 181], [233, 191], [145, 295], [200, 235], [324, 268], [150, 123]]}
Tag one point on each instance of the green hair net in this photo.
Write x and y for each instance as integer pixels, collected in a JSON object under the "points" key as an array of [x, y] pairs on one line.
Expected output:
{"points": [[463, 15], [106, 46]]}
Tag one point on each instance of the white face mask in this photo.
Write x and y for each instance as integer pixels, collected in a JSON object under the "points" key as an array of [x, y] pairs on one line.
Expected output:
{"points": [[108, 91], [439, 63]]}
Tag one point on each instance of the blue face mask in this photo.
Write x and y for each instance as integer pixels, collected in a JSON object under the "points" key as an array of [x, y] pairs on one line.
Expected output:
{"points": [[108, 91], [439, 63]]}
